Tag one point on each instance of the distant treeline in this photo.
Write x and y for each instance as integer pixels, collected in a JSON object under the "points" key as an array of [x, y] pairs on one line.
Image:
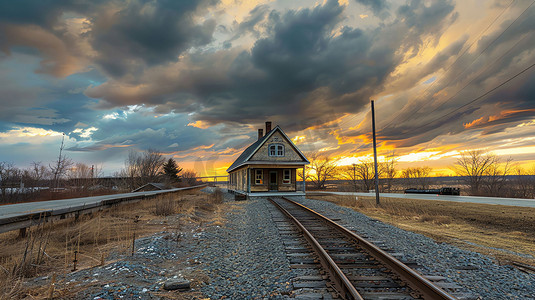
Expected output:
{"points": [[66, 179], [478, 174]]}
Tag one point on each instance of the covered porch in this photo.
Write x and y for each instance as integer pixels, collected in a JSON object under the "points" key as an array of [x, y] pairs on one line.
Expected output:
{"points": [[269, 180]]}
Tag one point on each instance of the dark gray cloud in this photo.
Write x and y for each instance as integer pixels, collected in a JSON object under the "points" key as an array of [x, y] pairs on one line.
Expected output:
{"points": [[125, 36], [44, 13], [438, 109], [250, 23], [300, 65], [497, 112], [147, 33], [302, 68], [423, 20], [39, 28], [307, 62], [377, 6]]}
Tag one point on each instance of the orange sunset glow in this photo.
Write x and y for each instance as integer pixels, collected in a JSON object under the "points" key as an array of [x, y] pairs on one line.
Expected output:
{"points": [[195, 82]]}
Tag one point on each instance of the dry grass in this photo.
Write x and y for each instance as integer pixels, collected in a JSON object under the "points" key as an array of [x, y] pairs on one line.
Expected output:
{"points": [[506, 233], [165, 206], [50, 248]]}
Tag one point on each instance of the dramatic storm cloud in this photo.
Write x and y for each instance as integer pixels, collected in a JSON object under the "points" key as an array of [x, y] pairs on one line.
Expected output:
{"points": [[194, 79], [307, 62]]}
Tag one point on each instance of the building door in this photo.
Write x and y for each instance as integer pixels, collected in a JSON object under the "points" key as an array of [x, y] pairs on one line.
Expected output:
{"points": [[273, 185]]}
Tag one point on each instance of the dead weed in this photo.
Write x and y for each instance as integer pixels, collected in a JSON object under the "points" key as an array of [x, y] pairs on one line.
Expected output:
{"points": [[51, 247]]}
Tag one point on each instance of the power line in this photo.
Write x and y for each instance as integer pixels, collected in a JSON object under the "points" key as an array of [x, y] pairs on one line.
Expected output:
{"points": [[473, 61], [481, 96], [476, 77], [456, 60], [450, 66]]}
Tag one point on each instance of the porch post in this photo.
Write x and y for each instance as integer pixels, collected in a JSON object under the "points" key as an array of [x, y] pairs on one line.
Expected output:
{"points": [[248, 180], [304, 180]]}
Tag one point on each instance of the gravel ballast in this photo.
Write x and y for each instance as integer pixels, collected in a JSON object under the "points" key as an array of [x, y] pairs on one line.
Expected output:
{"points": [[245, 259], [475, 272]]}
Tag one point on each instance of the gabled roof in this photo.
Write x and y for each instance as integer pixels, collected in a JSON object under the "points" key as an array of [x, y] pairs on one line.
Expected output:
{"points": [[156, 185], [251, 150]]}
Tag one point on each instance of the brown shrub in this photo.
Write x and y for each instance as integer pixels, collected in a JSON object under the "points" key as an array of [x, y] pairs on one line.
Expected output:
{"points": [[165, 206], [50, 247], [217, 196]]}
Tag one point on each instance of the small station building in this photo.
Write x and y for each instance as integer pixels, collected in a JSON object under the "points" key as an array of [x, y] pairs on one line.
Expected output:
{"points": [[269, 167]]}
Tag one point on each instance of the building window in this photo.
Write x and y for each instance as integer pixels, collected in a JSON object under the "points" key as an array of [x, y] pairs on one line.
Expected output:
{"points": [[259, 176], [276, 150], [287, 176]]}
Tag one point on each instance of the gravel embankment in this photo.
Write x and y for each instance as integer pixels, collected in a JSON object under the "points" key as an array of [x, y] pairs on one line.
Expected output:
{"points": [[475, 272], [245, 259]]}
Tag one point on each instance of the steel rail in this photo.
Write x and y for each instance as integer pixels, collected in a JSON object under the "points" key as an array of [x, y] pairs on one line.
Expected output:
{"points": [[341, 284], [416, 281]]}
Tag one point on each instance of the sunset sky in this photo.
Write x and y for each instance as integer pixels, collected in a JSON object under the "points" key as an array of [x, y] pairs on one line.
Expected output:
{"points": [[195, 79]]}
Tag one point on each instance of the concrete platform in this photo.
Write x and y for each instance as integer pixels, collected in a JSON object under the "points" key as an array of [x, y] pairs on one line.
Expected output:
{"points": [[270, 194], [276, 194]]}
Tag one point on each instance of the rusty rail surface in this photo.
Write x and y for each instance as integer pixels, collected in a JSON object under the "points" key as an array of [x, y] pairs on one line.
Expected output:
{"points": [[24, 220], [422, 285], [341, 284]]}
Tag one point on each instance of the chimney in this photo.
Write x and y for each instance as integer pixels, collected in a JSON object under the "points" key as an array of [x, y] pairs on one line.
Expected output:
{"points": [[260, 133], [268, 127]]}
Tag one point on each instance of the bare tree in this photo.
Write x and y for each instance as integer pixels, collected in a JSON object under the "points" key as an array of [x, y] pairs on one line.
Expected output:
{"points": [[495, 179], [10, 182], [523, 183], [349, 173], [143, 168], [36, 174], [322, 168], [80, 170], [132, 168], [151, 165], [365, 172], [417, 177], [83, 175], [473, 166], [39, 171], [189, 177], [389, 171], [7, 174]]}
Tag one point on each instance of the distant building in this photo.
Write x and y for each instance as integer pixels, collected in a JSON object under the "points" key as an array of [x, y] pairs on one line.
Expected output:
{"points": [[152, 186], [269, 167]]}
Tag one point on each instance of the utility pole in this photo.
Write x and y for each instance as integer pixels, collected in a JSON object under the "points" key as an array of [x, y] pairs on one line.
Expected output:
{"points": [[375, 158], [354, 178]]}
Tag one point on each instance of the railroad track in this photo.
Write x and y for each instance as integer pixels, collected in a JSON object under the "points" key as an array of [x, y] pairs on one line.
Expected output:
{"points": [[350, 265]]}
